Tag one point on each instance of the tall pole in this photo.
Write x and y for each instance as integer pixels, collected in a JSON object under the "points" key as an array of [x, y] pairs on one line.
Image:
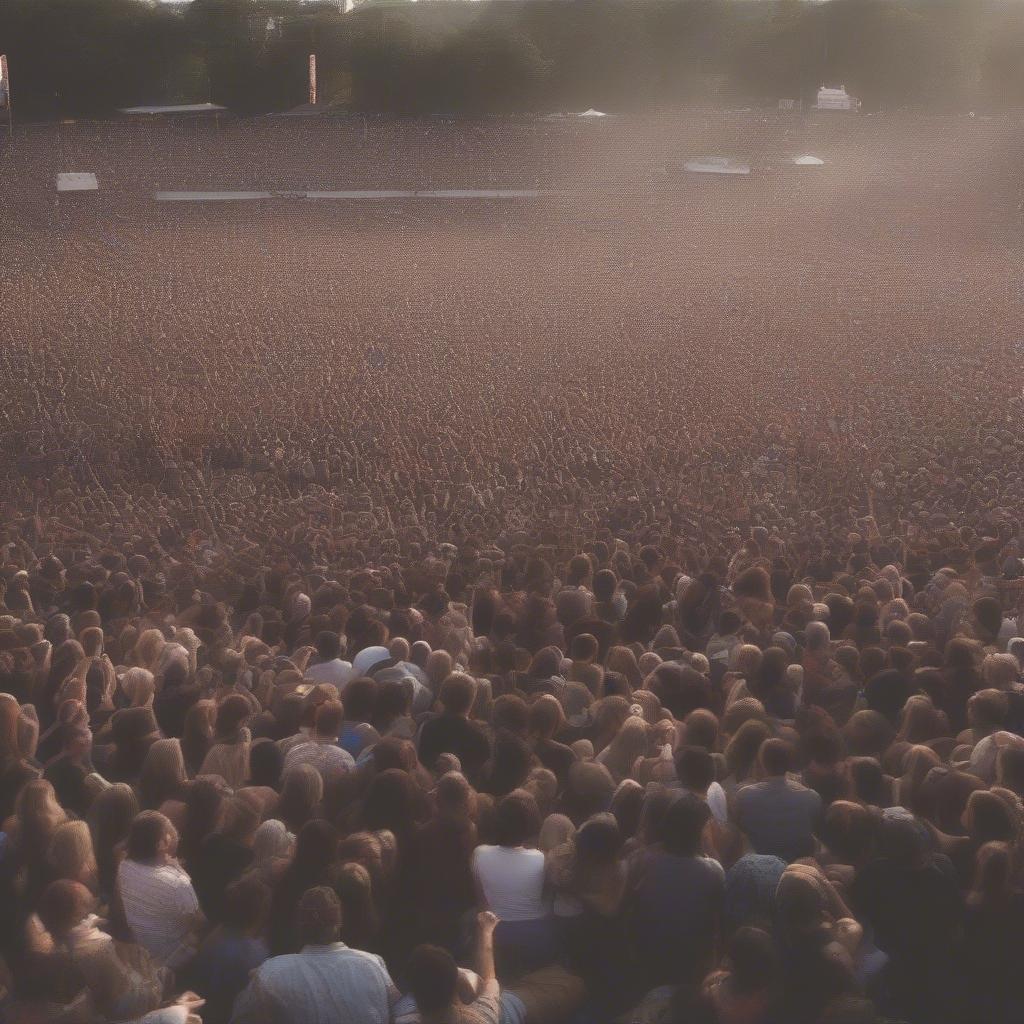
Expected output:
{"points": [[5, 93], [312, 79]]}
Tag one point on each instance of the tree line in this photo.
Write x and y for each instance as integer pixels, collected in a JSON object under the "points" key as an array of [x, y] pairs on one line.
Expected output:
{"points": [[88, 57]]}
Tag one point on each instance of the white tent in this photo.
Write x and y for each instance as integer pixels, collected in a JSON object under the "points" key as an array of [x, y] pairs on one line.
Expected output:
{"points": [[77, 181], [592, 113], [809, 161], [716, 165]]}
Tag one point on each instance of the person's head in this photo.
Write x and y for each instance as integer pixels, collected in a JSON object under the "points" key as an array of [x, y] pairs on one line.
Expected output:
{"points": [[546, 717], [598, 841], [151, 838], [627, 806], [454, 797], [328, 645], [775, 757], [111, 815], [232, 714], [988, 817], [316, 847], [329, 718], [433, 979], [163, 772], [870, 784], [987, 710], [271, 843], [683, 825], [266, 762], [517, 820], [741, 751], [319, 916], [38, 813], [63, 905], [302, 790], [457, 693], [993, 875], [849, 831], [701, 729], [71, 853], [695, 769]]}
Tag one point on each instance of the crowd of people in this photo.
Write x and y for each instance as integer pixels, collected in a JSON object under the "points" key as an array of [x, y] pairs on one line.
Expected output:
{"points": [[597, 612], [601, 789]]}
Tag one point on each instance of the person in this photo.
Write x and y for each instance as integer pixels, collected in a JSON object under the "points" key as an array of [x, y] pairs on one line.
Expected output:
{"points": [[329, 666], [441, 992], [231, 952], [909, 898], [674, 898], [993, 930], [510, 878], [322, 750], [155, 894], [777, 814], [121, 981], [325, 982], [434, 984], [451, 732]]}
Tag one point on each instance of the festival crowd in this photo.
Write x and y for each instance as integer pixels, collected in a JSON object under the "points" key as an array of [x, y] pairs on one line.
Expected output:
{"points": [[757, 786]]}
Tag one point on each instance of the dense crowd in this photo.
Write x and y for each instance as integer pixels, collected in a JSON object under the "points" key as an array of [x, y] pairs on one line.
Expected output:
{"points": [[754, 793], [599, 612]]}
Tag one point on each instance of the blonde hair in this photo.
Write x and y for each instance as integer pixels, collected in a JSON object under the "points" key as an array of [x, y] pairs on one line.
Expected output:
{"points": [[163, 772], [147, 648], [139, 686], [71, 853]]}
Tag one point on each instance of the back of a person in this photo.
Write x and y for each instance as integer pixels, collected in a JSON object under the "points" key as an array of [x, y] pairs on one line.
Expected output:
{"points": [[452, 734], [336, 672], [512, 881], [678, 896], [157, 901], [675, 910], [779, 817], [325, 985]]}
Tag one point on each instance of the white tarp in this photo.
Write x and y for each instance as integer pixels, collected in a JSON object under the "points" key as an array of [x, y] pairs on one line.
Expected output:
{"points": [[809, 161], [592, 113], [180, 108], [77, 181], [716, 165]]}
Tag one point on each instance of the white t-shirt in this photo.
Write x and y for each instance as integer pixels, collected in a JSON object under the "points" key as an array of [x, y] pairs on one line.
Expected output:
{"points": [[512, 881], [336, 672], [158, 901]]}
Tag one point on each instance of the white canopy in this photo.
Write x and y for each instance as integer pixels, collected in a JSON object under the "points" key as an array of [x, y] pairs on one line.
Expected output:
{"points": [[592, 113], [808, 161]]}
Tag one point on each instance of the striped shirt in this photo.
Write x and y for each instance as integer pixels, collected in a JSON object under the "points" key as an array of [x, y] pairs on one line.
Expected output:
{"points": [[159, 903]]}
